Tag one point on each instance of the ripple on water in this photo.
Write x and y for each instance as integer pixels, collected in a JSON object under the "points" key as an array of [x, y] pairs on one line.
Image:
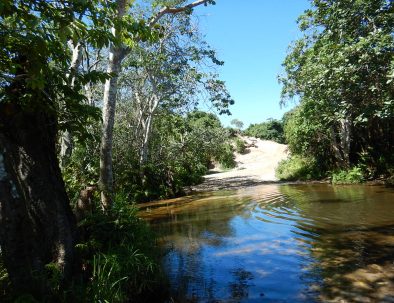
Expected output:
{"points": [[280, 243]]}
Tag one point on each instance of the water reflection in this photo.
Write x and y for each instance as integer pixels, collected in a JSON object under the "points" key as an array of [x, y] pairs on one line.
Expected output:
{"points": [[279, 243]]}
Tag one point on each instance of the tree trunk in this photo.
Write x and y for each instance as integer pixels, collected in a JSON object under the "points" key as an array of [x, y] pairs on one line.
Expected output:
{"points": [[145, 141], [66, 147], [116, 55], [345, 127], [147, 128], [110, 90], [36, 222], [66, 139], [341, 142]]}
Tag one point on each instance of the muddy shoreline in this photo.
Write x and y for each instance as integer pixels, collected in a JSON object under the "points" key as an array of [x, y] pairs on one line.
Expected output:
{"points": [[236, 183]]}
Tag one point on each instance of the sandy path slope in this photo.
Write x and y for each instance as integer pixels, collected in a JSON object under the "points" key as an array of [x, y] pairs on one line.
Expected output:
{"points": [[256, 166]]}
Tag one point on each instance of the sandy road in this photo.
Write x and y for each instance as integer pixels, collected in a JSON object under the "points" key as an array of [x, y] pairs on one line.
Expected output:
{"points": [[256, 166]]}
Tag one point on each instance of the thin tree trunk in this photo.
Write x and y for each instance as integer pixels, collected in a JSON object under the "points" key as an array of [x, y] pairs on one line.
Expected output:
{"points": [[341, 143], [336, 146], [66, 139], [36, 223], [116, 55], [145, 141], [345, 133], [66, 147], [153, 103], [109, 104]]}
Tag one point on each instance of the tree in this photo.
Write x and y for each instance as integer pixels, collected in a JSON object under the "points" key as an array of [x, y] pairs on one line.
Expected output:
{"points": [[237, 123], [270, 130], [118, 51], [342, 71], [169, 74], [37, 227]]}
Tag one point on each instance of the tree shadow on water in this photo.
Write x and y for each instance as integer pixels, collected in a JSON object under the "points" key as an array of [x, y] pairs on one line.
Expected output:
{"points": [[239, 289]]}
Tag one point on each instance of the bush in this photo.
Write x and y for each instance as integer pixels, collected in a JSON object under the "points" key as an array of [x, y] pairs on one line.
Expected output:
{"points": [[240, 146], [120, 256], [390, 178], [226, 157], [117, 260], [351, 176], [270, 130], [231, 132], [297, 168]]}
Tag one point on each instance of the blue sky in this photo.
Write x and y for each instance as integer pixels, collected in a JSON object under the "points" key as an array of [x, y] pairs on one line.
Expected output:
{"points": [[252, 37]]}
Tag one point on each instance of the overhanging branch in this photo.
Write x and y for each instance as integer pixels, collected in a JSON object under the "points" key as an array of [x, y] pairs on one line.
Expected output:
{"points": [[174, 10]]}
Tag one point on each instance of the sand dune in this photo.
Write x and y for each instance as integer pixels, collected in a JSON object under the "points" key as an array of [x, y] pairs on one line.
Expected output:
{"points": [[257, 165]]}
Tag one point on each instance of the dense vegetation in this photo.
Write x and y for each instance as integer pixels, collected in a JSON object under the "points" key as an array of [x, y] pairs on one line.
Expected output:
{"points": [[71, 233], [270, 130], [342, 73], [110, 90]]}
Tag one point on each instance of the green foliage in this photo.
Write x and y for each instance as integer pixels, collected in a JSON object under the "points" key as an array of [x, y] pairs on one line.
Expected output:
{"points": [[237, 123], [117, 250], [240, 146], [121, 255], [105, 285], [54, 276], [307, 136], [232, 132], [341, 71], [351, 176], [297, 168], [180, 152], [82, 168], [225, 156], [270, 130], [35, 70]]}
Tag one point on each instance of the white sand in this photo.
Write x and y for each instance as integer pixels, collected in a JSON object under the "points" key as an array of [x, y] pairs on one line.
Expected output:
{"points": [[256, 165]]}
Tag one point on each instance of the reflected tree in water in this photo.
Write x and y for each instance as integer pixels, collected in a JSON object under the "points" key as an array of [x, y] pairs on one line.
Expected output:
{"points": [[350, 242]]}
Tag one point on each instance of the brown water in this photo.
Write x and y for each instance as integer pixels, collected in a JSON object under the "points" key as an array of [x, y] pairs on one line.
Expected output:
{"points": [[279, 243]]}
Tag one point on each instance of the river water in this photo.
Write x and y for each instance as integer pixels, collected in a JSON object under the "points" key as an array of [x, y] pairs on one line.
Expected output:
{"points": [[279, 243]]}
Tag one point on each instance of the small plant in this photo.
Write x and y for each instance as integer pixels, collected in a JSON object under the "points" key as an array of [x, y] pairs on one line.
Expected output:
{"points": [[106, 285], [54, 276], [350, 176]]}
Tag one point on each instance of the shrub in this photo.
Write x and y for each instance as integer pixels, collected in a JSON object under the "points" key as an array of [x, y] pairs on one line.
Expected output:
{"points": [[226, 157], [390, 178], [120, 256], [270, 130], [240, 146], [351, 176], [297, 168]]}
